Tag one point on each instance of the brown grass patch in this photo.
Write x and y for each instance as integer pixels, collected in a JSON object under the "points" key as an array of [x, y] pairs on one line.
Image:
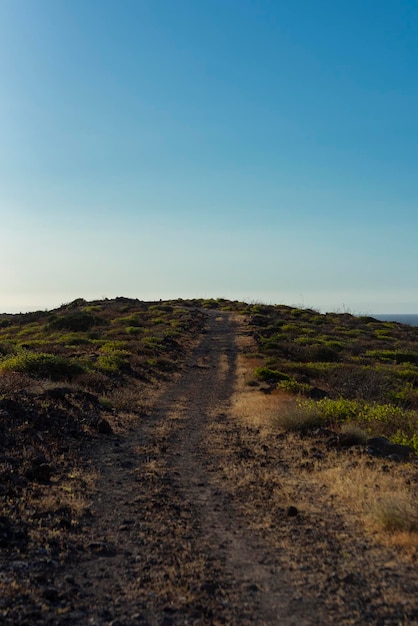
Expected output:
{"points": [[376, 493]]}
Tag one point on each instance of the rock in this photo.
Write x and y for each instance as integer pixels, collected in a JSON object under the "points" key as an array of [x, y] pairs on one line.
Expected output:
{"points": [[395, 457], [38, 460], [347, 440], [10, 536], [42, 473], [6, 532], [318, 394], [292, 511], [51, 594], [103, 427], [404, 452], [380, 446]]}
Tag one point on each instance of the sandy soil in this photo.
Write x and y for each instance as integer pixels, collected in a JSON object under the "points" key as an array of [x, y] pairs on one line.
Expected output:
{"points": [[202, 516]]}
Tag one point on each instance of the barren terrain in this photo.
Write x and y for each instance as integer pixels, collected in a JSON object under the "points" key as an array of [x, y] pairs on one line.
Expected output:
{"points": [[201, 512]]}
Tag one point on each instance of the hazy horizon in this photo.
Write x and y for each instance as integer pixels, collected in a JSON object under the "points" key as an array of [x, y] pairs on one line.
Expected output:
{"points": [[249, 300]]}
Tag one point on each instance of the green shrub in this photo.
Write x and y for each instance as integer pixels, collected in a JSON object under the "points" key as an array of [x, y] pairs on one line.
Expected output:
{"points": [[112, 362], [6, 348], [408, 374], [383, 333], [75, 340], [394, 356], [74, 321], [269, 375], [410, 440], [292, 386], [323, 353], [335, 411], [111, 346], [407, 396], [398, 424], [135, 320], [42, 365], [335, 345], [157, 321], [134, 330], [162, 364]]}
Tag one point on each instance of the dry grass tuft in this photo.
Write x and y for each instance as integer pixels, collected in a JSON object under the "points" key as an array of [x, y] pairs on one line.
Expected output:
{"points": [[397, 514], [127, 399], [259, 409], [355, 433], [381, 499], [298, 417]]}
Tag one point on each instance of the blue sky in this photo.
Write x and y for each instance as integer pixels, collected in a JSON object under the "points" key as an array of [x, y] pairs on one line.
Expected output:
{"points": [[249, 149]]}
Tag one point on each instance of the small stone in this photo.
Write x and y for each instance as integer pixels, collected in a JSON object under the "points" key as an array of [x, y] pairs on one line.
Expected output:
{"points": [[51, 594], [38, 460], [349, 579], [103, 427], [42, 472], [292, 511]]}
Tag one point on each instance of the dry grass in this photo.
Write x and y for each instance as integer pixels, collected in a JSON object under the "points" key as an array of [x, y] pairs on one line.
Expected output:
{"points": [[70, 498], [377, 494], [398, 514], [354, 432], [297, 418], [127, 399], [249, 403], [260, 409]]}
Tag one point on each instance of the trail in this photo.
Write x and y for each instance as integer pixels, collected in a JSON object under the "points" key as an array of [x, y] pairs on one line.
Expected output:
{"points": [[166, 545], [189, 522]]}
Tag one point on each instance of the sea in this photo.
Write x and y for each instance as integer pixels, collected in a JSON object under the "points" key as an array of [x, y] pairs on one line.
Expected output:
{"points": [[404, 318]]}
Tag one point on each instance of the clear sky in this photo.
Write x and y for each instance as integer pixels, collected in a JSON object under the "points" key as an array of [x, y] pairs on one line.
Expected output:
{"points": [[263, 150]]}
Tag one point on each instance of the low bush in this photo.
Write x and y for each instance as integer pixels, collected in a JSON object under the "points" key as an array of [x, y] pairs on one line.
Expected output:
{"points": [[323, 353], [394, 356], [74, 321], [269, 375], [292, 386], [42, 365], [397, 514], [134, 330], [299, 417], [113, 358]]}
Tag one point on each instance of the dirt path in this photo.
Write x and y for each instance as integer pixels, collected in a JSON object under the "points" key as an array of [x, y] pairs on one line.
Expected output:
{"points": [[175, 538], [164, 544]]}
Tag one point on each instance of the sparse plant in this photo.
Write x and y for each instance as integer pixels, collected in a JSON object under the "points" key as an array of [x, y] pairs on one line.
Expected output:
{"points": [[75, 321], [299, 417], [292, 386], [269, 375], [357, 435], [397, 513]]}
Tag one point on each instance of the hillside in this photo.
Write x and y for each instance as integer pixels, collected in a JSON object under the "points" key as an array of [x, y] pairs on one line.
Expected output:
{"points": [[207, 462]]}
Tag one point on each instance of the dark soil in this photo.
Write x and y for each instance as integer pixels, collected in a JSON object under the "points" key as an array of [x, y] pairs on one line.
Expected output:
{"points": [[173, 531]]}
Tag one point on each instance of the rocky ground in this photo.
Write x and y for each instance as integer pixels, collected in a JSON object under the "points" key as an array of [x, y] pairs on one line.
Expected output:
{"points": [[194, 513]]}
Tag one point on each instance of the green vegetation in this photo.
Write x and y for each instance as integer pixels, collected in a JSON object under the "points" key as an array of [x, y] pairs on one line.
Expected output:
{"points": [[365, 370], [100, 344], [269, 375], [41, 365]]}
